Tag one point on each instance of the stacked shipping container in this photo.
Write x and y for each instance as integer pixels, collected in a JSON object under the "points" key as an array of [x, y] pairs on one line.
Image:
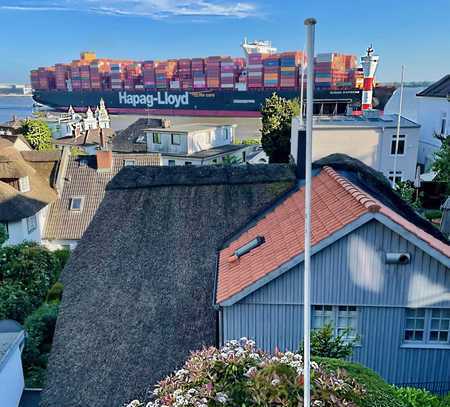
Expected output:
{"points": [[290, 64], [213, 72], [198, 73], [334, 70], [148, 74], [255, 71], [271, 69], [133, 77], [227, 75], [260, 71], [61, 76], [164, 73]]}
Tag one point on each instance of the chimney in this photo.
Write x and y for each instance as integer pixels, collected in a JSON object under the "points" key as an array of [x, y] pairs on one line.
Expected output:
{"points": [[102, 140], [104, 161], [298, 147]]}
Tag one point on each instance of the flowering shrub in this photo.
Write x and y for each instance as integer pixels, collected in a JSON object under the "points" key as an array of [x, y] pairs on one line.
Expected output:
{"points": [[238, 374]]}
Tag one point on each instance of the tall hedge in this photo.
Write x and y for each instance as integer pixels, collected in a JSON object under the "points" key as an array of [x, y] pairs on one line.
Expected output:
{"points": [[40, 327], [27, 271]]}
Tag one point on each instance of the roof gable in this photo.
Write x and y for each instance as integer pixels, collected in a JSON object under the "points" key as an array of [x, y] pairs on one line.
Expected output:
{"points": [[338, 208], [440, 89]]}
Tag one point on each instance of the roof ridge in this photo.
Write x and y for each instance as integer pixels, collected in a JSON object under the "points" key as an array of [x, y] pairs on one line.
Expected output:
{"points": [[363, 198]]}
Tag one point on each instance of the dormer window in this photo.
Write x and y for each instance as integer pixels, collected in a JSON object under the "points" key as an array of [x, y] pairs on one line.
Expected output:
{"points": [[76, 203], [129, 162], [24, 184]]}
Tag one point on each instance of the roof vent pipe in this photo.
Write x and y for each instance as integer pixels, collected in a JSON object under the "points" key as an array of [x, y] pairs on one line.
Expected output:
{"points": [[398, 258]]}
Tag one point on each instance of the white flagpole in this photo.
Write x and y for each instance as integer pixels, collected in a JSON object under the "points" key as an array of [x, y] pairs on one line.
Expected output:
{"points": [[394, 175], [310, 27]]}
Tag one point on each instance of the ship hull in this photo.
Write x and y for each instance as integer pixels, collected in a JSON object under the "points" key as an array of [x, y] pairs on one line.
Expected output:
{"points": [[190, 103]]}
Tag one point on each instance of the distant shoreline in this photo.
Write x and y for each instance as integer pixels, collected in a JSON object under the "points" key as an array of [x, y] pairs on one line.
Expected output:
{"points": [[14, 94]]}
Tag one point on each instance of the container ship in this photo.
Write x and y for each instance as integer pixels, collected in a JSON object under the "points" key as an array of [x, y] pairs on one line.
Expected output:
{"points": [[210, 86]]}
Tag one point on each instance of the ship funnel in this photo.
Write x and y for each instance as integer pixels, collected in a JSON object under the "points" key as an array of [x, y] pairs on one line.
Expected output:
{"points": [[369, 64]]}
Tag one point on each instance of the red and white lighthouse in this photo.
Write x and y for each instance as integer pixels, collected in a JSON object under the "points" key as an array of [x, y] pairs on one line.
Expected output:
{"points": [[369, 63]]}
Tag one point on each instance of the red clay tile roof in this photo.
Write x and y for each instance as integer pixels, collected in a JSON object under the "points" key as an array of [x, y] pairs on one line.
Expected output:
{"points": [[336, 203]]}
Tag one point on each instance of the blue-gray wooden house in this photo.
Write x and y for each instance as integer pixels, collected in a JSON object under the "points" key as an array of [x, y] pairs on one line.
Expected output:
{"points": [[379, 272]]}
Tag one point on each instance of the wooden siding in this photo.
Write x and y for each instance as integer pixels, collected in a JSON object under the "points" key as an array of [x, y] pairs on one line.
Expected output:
{"points": [[352, 271]]}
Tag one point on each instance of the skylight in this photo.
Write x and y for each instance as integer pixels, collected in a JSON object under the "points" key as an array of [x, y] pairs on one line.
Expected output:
{"points": [[76, 203], [253, 244]]}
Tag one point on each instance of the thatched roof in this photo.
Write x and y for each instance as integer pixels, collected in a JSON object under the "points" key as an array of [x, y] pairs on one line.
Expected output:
{"points": [[138, 288], [16, 205]]}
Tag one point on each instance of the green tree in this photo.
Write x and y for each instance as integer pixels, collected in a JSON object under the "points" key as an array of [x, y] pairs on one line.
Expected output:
{"points": [[27, 271], [442, 161], [408, 193], [277, 114], [38, 134], [3, 234], [325, 344]]}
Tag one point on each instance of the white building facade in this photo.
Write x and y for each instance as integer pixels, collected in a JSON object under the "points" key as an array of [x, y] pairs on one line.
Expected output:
{"points": [[434, 118], [11, 372], [71, 123], [369, 139], [29, 229], [195, 144]]}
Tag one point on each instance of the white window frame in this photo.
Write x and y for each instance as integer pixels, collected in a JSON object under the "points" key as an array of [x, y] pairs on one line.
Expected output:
{"points": [[443, 124], [428, 318], [24, 184], [401, 137], [156, 138], [398, 175], [333, 314], [72, 199], [175, 139], [129, 162], [31, 224]]}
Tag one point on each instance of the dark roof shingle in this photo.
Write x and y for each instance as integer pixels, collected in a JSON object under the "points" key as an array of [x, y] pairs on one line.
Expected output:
{"points": [[440, 89], [83, 180]]}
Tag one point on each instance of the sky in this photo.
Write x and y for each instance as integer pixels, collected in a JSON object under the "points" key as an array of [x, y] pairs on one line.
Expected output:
{"points": [[37, 33]]}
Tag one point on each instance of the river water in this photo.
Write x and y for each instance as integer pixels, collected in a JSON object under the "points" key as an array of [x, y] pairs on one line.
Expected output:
{"points": [[20, 106]]}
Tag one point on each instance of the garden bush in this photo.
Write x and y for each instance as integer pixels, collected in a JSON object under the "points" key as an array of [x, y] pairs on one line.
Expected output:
{"points": [[378, 393], [433, 214], [413, 397], [40, 327], [55, 293], [27, 271], [325, 344], [445, 402], [240, 375]]}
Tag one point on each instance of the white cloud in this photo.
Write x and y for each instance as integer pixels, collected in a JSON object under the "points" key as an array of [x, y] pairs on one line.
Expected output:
{"points": [[156, 9]]}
